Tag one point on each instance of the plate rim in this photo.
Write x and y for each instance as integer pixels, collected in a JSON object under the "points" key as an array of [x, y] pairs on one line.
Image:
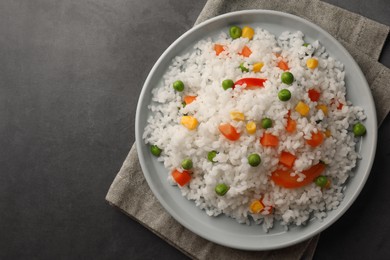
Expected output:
{"points": [[140, 143]]}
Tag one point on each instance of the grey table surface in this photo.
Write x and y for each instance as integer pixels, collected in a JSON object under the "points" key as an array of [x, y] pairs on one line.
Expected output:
{"points": [[70, 76]]}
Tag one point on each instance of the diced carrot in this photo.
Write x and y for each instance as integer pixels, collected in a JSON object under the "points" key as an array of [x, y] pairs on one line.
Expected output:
{"points": [[314, 95], [287, 159], [291, 125], [218, 48], [189, 99], [316, 139], [246, 52], [181, 178], [229, 131], [269, 140], [283, 65], [283, 178]]}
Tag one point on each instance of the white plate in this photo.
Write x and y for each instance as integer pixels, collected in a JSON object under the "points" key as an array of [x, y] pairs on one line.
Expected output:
{"points": [[221, 229]]}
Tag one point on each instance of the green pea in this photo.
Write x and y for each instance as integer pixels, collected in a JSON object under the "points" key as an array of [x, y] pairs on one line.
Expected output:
{"points": [[287, 78], [284, 95], [305, 44], [359, 129], [227, 83], [186, 164], [321, 181], [266, 123], [178, 85], [183, 104], [211, 155], [235, 32], [155, 150], [254, 159], [221, 189], [243, 68]]}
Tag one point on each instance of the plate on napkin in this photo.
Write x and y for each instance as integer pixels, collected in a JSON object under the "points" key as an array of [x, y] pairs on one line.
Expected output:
{"points": [[224, 230]]}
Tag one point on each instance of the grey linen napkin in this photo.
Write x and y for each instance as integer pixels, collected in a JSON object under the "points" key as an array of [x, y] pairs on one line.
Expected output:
{"points": [[362, 37]]}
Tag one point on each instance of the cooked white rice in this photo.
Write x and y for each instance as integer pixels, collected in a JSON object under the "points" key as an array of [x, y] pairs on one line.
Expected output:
{"points": [[202, 72]]}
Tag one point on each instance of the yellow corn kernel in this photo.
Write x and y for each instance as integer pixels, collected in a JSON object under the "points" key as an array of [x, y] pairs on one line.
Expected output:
{"points": [[302, 108], [189, 122], [323, 108], [257, 66], [251, 127], [312, 63], [328, 133], [248, 32], [237, 116], [256, 207]]}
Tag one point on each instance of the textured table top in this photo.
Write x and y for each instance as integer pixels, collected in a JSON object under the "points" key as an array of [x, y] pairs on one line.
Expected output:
{"points": [[70, 76]]}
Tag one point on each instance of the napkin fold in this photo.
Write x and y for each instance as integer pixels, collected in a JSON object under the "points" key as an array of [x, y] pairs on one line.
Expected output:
{"points": [[362, 37]]}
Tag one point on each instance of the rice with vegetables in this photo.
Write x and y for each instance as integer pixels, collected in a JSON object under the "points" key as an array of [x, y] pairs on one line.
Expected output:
{"points": [[256, 127]]}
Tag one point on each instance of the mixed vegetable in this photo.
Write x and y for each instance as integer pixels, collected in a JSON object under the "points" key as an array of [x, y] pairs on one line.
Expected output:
{"points": [[284, 95], [155, 150], [211, 155], [254, 160], [221, 189], [285, 175], [266, 123]]}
